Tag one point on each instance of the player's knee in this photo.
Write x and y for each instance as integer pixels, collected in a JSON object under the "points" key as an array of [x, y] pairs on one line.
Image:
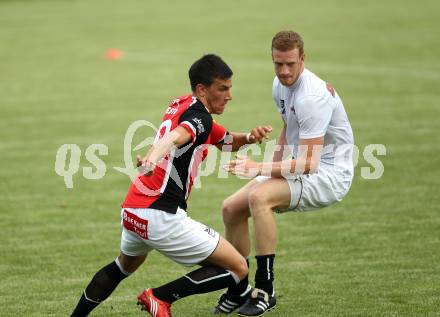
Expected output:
{"points": [[241, 269], [257, 201], [229, 213], [130, 263]]}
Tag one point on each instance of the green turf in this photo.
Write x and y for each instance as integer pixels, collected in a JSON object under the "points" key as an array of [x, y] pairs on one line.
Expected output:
{"points": [[374, 254]]}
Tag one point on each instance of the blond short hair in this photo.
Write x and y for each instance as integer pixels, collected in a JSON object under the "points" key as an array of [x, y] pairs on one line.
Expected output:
{"points": [[288, 40]]}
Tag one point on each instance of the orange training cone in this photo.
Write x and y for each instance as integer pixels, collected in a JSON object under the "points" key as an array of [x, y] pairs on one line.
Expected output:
{"points": [[113, 54]]}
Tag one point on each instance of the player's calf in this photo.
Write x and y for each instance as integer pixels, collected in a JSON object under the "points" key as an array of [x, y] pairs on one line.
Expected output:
{"points": [[235, 296], [203, 280], [100, 287]]}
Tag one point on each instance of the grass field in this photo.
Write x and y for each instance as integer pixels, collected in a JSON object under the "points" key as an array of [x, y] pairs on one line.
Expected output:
{"points": [[375, 254]]}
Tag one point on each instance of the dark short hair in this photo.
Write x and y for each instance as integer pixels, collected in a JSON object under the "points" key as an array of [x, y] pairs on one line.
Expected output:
{"points": [[206, 69], [288, 40]]}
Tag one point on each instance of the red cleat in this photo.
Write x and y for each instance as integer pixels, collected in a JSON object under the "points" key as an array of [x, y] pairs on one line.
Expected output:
{"points": [[153, 305]]}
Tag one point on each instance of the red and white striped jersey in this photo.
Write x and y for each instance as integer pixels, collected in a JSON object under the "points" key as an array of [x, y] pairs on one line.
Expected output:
{"points": [[170, 184]]}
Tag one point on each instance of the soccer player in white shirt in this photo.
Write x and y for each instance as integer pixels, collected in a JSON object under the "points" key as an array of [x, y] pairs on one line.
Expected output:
{"points": [[312, 168]]}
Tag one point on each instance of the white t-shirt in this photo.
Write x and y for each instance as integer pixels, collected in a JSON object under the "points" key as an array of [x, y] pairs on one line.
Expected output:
{"points": [[311, 108]]}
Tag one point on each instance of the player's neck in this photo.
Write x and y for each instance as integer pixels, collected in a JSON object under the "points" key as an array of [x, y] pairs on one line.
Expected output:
{"points": [[297, 80], [204, 102]]}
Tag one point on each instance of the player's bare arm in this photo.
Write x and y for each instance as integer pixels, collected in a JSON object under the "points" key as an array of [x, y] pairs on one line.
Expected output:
{"points": [[280, 147], [257, 134], [176, 138], [306, 163]]}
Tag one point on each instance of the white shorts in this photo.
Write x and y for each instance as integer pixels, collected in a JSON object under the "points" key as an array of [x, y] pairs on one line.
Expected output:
{"points": [[176, 236], [314, 191]]}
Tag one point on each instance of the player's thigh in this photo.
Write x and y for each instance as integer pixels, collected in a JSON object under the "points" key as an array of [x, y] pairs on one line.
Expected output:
{"points": [[272, 192], [238, 202], [227, 257], [132, 239], [184, 240]]}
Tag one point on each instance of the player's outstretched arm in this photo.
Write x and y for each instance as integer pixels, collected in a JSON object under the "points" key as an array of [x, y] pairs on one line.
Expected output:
{"points": [[309, 156], [238, 140], [175, 138]]}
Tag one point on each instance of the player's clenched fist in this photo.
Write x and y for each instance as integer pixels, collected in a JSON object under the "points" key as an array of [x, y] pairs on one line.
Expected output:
{"points": [[144, 166], [258, 134]]}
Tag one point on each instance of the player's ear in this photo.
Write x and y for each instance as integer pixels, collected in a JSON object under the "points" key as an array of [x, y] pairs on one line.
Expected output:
{"points": [[200, 90]]}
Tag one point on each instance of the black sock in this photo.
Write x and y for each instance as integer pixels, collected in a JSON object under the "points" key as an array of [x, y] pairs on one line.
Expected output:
{"points": [[203, 280], [84, 307], [242, 287], [100, 287], [264, 275]]}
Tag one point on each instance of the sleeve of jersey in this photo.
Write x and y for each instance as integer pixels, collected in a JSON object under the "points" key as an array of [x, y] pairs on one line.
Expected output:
{"points": [[314, 114], [197, 123], [218, 134]]}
